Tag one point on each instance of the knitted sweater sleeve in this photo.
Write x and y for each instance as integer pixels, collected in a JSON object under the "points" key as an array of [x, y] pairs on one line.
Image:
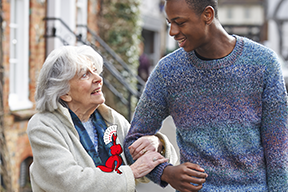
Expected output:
{"points": [[274, 126], [150, 112]]}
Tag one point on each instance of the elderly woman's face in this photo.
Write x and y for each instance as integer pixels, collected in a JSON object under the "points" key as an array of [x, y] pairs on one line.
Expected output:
{"points": [[85, 89]]}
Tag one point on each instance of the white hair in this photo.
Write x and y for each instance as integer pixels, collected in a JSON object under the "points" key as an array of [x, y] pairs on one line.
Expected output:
{"points": [[59, 68]]}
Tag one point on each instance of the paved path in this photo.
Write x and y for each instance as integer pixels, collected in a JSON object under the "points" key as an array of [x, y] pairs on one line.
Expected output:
{"points": [[168, 128]]}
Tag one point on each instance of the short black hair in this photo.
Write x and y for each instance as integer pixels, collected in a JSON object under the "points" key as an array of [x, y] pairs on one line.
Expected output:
{"points": [[199, 6]]}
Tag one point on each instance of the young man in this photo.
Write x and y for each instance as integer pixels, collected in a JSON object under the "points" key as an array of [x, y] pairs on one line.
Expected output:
{"points": [[227, 97]]}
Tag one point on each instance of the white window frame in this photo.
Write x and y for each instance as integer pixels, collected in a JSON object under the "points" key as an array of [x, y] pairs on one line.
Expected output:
{"points": [[19, 56], [82, 9], [65, 10]]}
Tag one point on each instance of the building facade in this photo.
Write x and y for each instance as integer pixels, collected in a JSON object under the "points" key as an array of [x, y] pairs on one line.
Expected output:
{"points": [[277, 20], [153, 29], [244, 17]]}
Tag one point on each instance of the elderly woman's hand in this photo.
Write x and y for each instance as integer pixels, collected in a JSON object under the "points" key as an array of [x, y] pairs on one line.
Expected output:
{"points": [[146, 163], [143, 145]]}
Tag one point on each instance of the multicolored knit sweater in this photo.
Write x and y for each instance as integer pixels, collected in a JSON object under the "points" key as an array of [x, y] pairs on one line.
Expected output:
{"points": [[230, 113]]}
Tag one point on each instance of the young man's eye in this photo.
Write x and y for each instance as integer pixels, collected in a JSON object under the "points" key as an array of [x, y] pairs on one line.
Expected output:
{"points": [[181, 23]]}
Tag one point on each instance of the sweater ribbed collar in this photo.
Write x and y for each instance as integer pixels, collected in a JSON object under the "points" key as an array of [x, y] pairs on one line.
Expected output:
{"points": [[218, 63]]}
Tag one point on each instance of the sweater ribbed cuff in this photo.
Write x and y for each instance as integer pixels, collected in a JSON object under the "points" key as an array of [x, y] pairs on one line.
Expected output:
{"points": [[156, 173]]}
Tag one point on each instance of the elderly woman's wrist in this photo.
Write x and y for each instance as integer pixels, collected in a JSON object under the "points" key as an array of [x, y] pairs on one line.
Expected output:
{"points": [[134, 171]]}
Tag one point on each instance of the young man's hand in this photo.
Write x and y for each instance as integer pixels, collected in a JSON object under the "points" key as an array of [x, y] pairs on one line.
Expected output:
{"points": [[185, 177]]}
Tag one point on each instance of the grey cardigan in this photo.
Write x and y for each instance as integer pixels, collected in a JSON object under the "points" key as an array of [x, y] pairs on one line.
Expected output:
{"points": [[60, 163]]}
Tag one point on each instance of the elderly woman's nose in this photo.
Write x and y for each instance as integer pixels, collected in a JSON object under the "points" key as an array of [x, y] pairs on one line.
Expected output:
{"points": [[97, 78]]}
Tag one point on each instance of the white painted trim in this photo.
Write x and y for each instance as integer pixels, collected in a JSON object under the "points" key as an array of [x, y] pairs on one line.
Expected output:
{"points": [[19, 62], [65, 10], [82, 9]]}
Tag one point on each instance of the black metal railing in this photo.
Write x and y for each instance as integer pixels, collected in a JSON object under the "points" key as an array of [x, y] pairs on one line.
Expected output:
{"points": [[117, 77]]}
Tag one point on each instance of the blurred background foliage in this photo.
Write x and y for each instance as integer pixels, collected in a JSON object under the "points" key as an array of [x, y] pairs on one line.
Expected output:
{"points": [[120, 27]]}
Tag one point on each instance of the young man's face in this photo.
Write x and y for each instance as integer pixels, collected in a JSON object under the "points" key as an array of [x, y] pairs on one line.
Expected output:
{"points": [[187, 28]]}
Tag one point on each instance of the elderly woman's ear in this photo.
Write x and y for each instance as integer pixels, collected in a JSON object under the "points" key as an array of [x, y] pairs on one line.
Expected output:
{"points": [[67, 98]]}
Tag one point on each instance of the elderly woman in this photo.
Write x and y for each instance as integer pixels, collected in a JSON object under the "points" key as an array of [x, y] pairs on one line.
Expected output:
{"points": [[75, 138]]}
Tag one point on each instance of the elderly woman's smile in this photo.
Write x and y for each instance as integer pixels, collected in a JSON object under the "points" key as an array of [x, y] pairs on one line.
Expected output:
{"points": [[96, 91]]}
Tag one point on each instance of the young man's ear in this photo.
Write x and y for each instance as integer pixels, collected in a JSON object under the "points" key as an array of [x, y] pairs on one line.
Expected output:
{"points": [[208, 14], [67, 98]]}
